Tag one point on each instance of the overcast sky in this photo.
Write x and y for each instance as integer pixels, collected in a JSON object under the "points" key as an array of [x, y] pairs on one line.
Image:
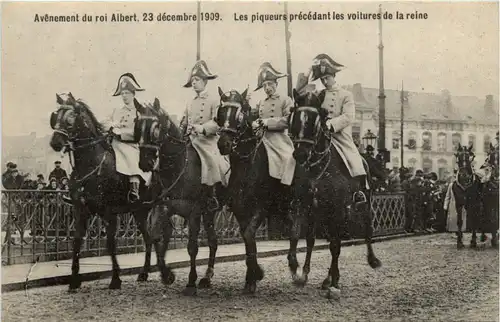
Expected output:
{"points": [[455, 48]]}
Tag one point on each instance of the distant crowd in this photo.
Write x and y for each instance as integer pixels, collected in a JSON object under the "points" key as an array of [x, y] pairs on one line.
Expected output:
{"points": [[13, 179]]}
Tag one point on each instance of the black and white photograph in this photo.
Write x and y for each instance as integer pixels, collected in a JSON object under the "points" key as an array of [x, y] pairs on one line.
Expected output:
{"points": [[250, 160]]}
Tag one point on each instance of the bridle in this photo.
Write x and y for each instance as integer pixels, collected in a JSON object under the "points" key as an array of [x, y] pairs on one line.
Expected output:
{"points": [[464, 159]]}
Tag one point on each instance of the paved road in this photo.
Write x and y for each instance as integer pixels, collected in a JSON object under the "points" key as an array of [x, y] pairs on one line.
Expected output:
{"points": [[423, 279]]}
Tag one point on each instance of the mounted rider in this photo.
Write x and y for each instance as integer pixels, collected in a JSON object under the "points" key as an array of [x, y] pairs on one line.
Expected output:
{"points": [[340, 105], [273, 112], [198, 121], [121, 123]]}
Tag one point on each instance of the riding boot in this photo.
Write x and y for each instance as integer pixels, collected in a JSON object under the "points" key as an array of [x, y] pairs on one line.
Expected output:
{"points": [[133, 194], [213, 201]]}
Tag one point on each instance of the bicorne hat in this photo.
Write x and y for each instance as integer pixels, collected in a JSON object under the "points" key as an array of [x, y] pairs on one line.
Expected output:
{"points": [[324, 65], [267, 73], [127, 81], [201, 70]]}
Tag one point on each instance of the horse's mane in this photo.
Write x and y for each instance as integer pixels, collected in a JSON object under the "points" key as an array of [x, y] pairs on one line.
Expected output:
{"points": [[98, 125], [165, 119]]}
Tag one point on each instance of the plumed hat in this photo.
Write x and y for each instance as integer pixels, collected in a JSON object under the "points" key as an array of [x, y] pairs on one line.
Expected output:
{"points": [[267, 72], [127, 81], [201, 70], [324, 65]]}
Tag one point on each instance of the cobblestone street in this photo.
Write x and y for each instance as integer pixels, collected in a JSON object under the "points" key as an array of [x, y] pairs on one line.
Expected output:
{"points": [[422, 279]]}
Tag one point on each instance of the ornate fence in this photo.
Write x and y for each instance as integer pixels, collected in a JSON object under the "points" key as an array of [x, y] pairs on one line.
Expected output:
{"points": [[38, 225]]}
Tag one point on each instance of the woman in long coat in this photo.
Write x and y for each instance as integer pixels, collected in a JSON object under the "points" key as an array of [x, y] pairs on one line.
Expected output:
{"points": [[449, 205]]}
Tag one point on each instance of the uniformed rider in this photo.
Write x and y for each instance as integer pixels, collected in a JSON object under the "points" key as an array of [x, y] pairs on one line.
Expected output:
{"points": [[198, 121], [121, 123], [273, 112], [340, 105]]}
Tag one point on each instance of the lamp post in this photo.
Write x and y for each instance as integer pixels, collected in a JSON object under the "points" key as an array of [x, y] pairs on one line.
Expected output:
{"points": [[369, 139]]}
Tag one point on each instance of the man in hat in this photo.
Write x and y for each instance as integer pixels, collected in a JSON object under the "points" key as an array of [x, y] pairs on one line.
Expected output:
{"points": [[58, 172], [340, 105], [273, 112], [198, 121], [121, 124]]}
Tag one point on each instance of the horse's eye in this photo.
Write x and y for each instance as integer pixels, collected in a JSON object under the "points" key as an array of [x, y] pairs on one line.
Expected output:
{"points": [[156, 133]]}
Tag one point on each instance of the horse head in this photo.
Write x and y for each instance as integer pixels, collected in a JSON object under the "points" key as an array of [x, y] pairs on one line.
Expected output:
{"points": [[307, 125], [151, 130], [492, 163], [464, 157], [234, 120], [73, 123]]}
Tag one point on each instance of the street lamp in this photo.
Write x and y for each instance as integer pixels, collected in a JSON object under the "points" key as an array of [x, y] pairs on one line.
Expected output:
{"points": [[369, 139]]}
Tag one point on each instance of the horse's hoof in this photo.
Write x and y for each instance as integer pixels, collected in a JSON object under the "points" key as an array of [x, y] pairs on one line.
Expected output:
{"points": [[250, 288], [167, 276], [460, 245], [259, 273], [74, 285], [205, 283], [115, 284], [300, 281], [189, 291], [333, 293], [326, 284], [473, 245], [142, 277], [374, 262]]}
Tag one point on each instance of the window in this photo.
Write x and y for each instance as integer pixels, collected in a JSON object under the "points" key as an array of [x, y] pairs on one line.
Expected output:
{"points": [[412, 163], [441, 143], [427, 165], [395, 162], [443, 171], [472, 141], [456, 138], [412, 141], [426, 141], [395, 140], [487, 141]]}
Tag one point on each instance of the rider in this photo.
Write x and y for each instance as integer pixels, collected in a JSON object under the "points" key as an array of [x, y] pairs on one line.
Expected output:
{"points": [[121, 124], [272, 113], [340, 105], [199, 122]]}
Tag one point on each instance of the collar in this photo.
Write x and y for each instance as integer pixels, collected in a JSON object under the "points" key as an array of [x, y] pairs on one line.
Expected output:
{"points": [[203, 94], [274, 96], [129, 107], [335, 88]]}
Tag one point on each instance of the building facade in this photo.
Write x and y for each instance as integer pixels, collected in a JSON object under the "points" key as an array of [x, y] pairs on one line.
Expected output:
{"points": [[433, 126]]}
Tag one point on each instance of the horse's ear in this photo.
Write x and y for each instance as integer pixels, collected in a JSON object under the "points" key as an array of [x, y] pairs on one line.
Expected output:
{"points": [[156, 104], [491, 146], [221, 92], [59, 100], [71, 99], [244, 94], [471, 146], [295, 95]]}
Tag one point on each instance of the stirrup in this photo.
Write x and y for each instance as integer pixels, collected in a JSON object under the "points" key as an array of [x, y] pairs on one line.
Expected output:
{"points": [[133, 196], [362, 200], [213, 204]]}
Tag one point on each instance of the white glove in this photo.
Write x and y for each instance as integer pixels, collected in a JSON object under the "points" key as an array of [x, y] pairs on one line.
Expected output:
{"points": [[255, 124], [329, 125], [117, 131], [197, 128]]}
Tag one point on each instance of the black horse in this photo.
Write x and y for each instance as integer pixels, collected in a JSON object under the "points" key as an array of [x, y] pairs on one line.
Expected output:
{"points": [[467, 191], [95, 186], [254, 194], [322, 188], [490, 195], [177, 180]]}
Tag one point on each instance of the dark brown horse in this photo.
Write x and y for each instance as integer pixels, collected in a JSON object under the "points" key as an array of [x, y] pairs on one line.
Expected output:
{"points": [[490, 195], [322, 188], [467, 192], [254, 194], [95, 186], [177, 180]]}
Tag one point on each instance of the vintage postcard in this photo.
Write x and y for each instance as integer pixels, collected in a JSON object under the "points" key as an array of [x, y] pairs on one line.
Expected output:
{"points": [[192, 161]]}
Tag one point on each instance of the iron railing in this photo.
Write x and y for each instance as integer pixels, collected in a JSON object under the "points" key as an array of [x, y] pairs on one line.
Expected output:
{"points": [[39, 225]]}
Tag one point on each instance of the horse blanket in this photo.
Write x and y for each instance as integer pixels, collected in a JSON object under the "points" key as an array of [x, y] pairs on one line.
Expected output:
{"points": [[279, 148], [127, 160], [214, 167]]}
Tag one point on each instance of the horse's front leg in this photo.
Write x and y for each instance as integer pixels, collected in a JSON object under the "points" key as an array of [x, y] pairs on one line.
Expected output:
{"points": [[194, 231], [460, 243], [162, 232], [208, 223], [81, 216], [373, 261], [254, 271], [116, 282], [142, 222], [331, 283], [310, 240], [294, 220]]}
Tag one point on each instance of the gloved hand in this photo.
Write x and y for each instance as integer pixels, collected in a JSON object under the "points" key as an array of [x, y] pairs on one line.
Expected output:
{"points": [[198, 129], [329, 125]]}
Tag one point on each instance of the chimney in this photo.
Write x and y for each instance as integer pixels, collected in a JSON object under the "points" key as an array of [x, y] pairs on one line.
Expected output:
{"points": [[357, 93], [488, 103], [446, 98]]}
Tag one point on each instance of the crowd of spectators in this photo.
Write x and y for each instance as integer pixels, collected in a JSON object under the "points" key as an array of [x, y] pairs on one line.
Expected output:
{"points": [[13, 179]]}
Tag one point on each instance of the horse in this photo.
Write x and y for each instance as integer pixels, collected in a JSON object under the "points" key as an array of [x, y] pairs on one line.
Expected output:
{"points": [[176, 170], [467, 192], [95, 185], [490, 195], [254, 194], [321, 189]]}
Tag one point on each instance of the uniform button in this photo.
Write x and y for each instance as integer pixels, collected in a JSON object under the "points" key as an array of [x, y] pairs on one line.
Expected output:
{"points": [[272, 110], [201, 117], [272, 104], [202, 103], [331, 105]]}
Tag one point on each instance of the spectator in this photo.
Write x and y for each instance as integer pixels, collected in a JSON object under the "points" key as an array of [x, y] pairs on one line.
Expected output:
{"points": [[64, 184], [13, 179], [40, 182], [7, 174], [58, 172], [53, 184]]}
